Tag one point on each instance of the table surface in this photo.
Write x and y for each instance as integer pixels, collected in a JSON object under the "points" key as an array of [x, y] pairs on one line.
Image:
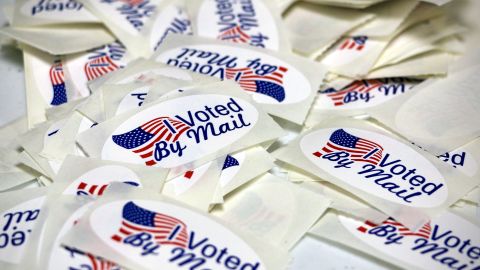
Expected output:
{"points": [[309, 254]]}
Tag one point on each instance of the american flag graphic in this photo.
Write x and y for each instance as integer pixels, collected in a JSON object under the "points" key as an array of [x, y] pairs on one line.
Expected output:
{"points": [[235, 34], [270, 84], [96, 190], [354, 43], [57, 78], [101, 264], [165, 229], [363, 86], [358, 148], [423, 232], [229, 162], [99, 66], [143, 139]]}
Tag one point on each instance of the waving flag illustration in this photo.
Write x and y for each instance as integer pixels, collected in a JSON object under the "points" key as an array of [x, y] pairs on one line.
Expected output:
{"points": [[100, 264], [358, 148], [424, 232], [229, 162], [96, 190], [143, 139], [235, 34], [270, 84], [165, 229], [354, 43], [57, 78], [99, 66], [364, 86]]}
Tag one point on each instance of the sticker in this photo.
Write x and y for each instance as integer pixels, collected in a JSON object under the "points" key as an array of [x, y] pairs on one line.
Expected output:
{"points": [[167, 135], [186, 239], [96, 181], [172, 20], [462, 160], [365, 93], [249, 22], [350, 48], [61, 10], [133, 14], [96, 63], [132, 100], [269, 79], [50, 78], [231, 167], [63, 257], [376, 164], [447, 242], [16, 225]]}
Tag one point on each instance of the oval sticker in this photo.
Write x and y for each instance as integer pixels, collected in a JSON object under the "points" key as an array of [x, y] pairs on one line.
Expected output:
{"points": [[165, 135], [17, 224], [376, 164], [226, 20], [446, 242], [269, 79], [59, 11], [186, 239], [94, 182], [364, 94]]}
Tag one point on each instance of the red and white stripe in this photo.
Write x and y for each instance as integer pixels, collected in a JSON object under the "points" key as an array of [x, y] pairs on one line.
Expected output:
{"points": [[246, 77], [423, 232], [164, 227], [357, 86], [94, 190], [235, 34], [56, 73], [350, 44], [100, 264], [162, 131], [99, 66], [362, 148]]}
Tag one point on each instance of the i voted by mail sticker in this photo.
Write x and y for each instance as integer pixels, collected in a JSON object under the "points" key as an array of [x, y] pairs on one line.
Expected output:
{"points": [[446, 242], [248, 22], [158, 234], [170, 135], [376, 164], [269, 79]]}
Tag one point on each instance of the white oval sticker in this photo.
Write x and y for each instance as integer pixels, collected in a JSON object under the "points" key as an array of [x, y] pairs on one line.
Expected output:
{"points": [[186, 238], [169, 135], [364, 94], [60, 11], [94, 182], [447, 242], [376, 164], [85, 67], [16, 225], [269, 79], [249, 22]]}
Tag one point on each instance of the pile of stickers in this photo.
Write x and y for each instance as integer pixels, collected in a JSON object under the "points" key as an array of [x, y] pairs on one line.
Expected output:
{"points": [[217, 134]]}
